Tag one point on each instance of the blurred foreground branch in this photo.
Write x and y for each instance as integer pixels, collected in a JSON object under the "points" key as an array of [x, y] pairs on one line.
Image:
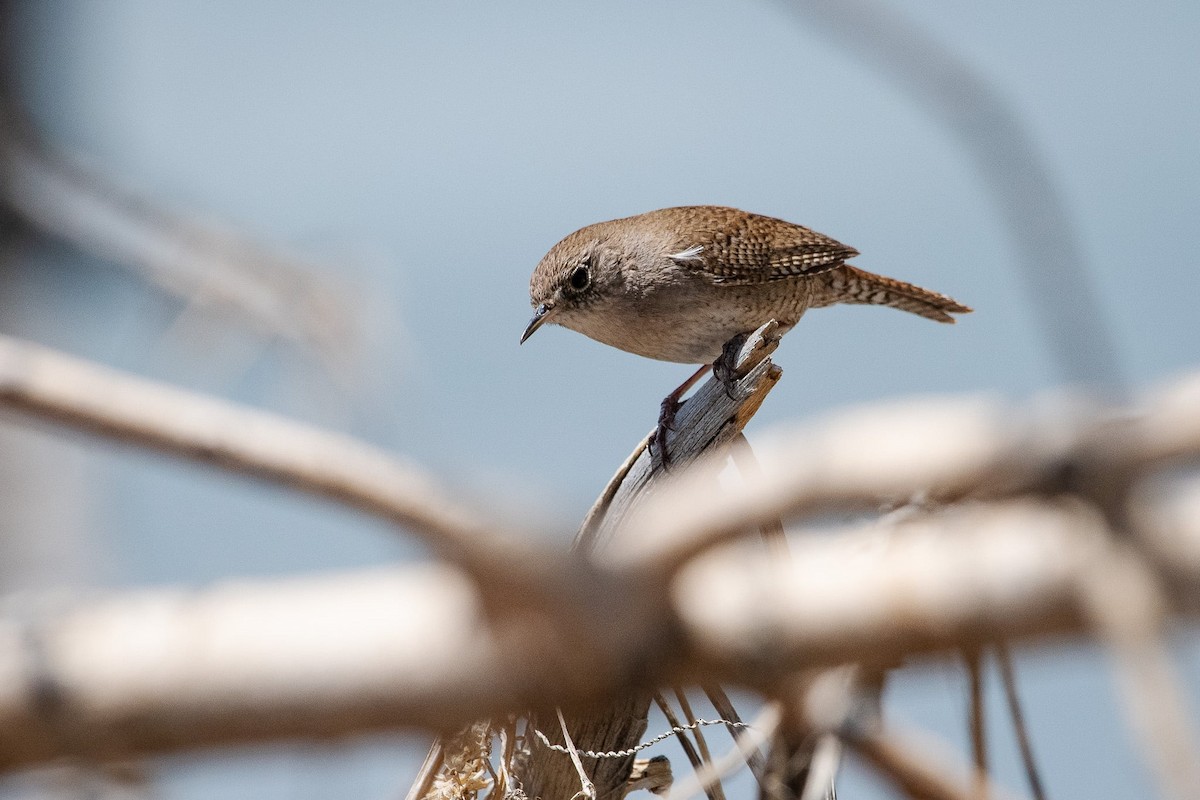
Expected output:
{"points": [[89, 397], [1024, 514], [157, 671]]}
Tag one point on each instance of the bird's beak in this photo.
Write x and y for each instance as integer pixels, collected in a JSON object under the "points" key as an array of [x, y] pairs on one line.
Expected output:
{"points": [[541, 315]]}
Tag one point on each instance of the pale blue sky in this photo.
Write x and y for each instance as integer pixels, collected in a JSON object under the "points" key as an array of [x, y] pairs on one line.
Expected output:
{"points": [[431, 152]]}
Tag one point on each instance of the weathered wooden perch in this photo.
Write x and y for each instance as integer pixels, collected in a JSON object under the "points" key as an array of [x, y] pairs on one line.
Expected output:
{"points": [[707, 421]]}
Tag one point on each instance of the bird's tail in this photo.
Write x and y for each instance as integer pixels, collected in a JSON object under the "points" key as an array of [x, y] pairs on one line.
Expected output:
{"points": [[848, 284]]}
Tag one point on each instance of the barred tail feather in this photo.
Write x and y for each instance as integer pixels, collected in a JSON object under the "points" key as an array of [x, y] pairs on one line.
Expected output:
{"points": [[848, 284]]}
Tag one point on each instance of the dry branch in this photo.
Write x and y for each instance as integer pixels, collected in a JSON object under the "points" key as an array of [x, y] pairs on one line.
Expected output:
{"points": [[960, 578], [151, 672], [706, 422], [940, 449], [157, 672], [102, 401], [712, 418]]}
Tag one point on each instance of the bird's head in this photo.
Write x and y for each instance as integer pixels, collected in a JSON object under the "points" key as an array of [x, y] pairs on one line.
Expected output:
{"points": [[578, 277]]}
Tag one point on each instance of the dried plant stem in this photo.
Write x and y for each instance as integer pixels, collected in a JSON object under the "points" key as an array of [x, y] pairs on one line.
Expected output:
{"points": [[712, 791], [587, 789], [761, 730], [976, 716], [721, 702], [701, 744], [914, 770], [1009, 681]]}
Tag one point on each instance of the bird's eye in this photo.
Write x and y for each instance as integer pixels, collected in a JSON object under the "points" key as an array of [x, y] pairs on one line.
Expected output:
{"points": [[580, 278]]}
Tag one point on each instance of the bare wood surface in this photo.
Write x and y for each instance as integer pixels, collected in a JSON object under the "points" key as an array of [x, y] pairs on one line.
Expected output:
{"points": [[706, 422]]}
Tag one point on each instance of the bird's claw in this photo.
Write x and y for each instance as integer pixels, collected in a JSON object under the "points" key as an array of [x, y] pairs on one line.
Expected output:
{"points": [[725, 367], [666, 422]]}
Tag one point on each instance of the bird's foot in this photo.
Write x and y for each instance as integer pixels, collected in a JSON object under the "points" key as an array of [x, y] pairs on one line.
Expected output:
{"points": [[666, 416], [666, 422], [725, 367]]}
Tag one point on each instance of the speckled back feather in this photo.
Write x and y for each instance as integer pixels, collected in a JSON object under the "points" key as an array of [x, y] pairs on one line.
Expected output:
{"points": [[738, 248]]}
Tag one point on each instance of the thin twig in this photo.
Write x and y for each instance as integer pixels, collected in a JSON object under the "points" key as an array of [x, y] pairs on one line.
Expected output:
{"points": [[717, 791], [1020, 726], [823, 769], [428, 772], [507, 734], [976, 715], [688, 748], [587, 788], [915, 769], [761, 730], [724, 706]]}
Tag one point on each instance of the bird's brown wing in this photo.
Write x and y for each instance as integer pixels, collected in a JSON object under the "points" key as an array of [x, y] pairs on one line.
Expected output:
{"points": [[758, 249]]}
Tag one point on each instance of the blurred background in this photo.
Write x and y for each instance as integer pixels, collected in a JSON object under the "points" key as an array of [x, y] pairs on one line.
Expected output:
{"points": [[408, 163]]}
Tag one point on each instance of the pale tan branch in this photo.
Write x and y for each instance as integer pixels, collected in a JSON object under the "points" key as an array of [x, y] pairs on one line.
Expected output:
{"points": [[960, 578], [944, 449], [160, 671], [103, 401], [156, 671], [919, 771]]}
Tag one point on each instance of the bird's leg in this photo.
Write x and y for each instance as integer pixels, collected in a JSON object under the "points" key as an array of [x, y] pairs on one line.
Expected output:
{"points": [[725, 367], [668, 410]]}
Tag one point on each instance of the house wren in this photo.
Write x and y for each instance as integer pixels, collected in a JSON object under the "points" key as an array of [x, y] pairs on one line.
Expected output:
{"points": [[678, 283]]}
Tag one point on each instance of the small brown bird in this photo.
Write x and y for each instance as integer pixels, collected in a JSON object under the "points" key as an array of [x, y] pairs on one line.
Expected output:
{"points": [[678, 283]]}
